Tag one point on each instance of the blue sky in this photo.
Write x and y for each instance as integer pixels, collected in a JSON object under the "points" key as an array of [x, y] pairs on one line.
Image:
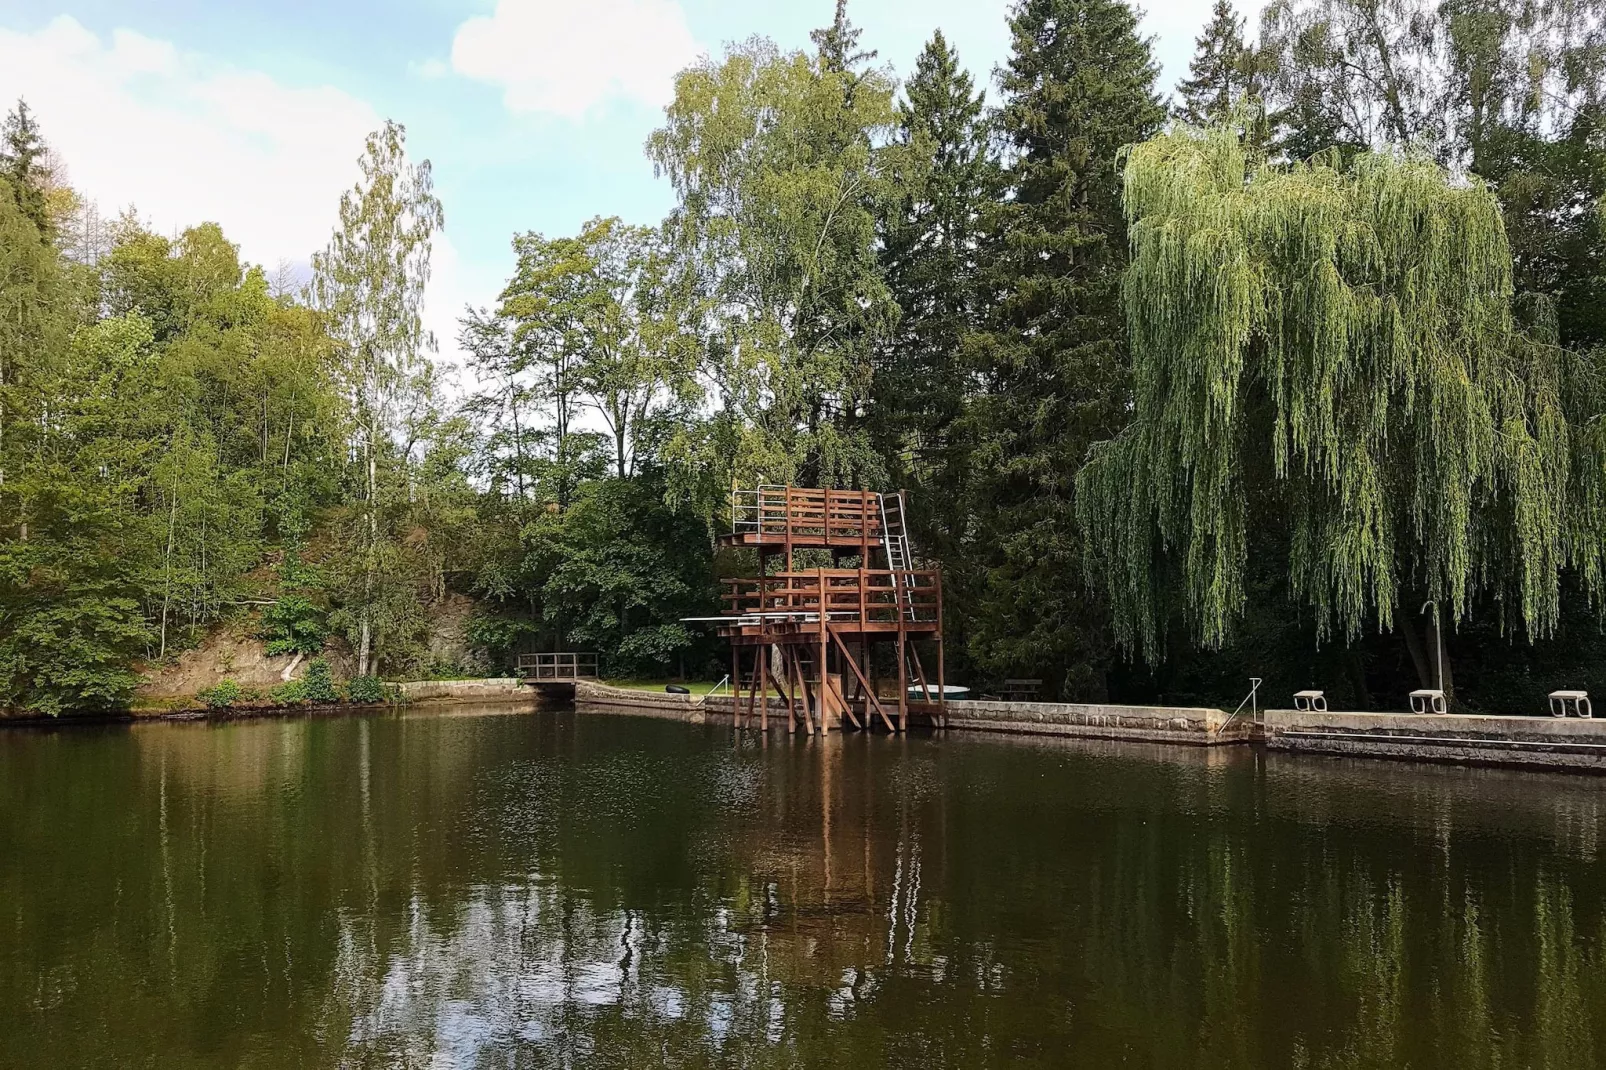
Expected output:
{"points": [[533, 112]]}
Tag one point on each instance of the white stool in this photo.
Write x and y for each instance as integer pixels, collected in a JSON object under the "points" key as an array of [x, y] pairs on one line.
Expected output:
{"points": [[1428, 700], [1579, 701], [1310, 701]]}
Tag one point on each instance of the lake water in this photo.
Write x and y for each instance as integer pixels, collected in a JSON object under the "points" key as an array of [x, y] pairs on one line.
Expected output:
{"points": [[477, 888]]}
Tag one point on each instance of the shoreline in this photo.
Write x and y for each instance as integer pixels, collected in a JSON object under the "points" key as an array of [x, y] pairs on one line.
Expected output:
{"points": [[1571, 744]]}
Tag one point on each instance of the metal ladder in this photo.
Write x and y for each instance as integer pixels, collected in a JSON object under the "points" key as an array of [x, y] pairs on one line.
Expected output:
{"points": [[900, 554]]}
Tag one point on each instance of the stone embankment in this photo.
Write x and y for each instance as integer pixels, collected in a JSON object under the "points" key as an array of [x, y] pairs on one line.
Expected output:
{"points": [[1199, 727], [1548, 742], [498, 689]]}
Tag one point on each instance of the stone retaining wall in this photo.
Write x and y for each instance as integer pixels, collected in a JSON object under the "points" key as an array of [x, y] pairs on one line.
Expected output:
{"points": [[501, 689], [1546, 742], [1201, 727], [1196, 726]]}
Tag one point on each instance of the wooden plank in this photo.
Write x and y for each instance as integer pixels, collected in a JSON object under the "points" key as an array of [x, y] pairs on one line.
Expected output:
{"points": [[869, 692]]}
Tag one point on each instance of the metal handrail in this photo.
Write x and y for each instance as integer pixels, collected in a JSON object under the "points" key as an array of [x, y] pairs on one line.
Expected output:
{"points": [[1254, 687]]}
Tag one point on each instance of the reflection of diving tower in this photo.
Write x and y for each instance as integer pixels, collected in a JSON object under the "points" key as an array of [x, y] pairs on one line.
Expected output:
{"points": [[812, 632]]}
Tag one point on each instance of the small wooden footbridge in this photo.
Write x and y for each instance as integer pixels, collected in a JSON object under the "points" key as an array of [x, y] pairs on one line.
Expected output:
{"points": [[818, 638]]}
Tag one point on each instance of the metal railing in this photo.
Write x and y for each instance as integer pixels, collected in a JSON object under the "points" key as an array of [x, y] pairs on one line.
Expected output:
{"points": [[847, 597], [564, 665]]}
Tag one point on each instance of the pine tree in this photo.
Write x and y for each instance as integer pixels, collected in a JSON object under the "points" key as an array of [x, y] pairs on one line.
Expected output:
{"points": [[928, 247], [1220, 72], [22, 152], [1051, 360]]}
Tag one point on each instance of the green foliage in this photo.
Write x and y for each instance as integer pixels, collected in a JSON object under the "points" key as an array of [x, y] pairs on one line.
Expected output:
{"points": [[22, 168], [1334, 348], [928, 245], [369, 284], [293, 625], [367, 690], [318, 685], [289, 693], [1048, 366], [618, 570], [221, 696], [776, 159]]}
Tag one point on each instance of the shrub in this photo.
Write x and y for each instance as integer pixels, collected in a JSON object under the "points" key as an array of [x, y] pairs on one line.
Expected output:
{"points": [[319, 683], [367, 689], [289, 693], [293, 625], [221, 696]]}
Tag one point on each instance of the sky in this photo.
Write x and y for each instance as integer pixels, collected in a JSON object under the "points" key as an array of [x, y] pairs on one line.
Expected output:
{"points": [[533, 113]]}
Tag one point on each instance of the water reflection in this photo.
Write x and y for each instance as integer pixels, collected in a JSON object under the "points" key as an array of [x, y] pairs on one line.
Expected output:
{"points": [[546, 890]]}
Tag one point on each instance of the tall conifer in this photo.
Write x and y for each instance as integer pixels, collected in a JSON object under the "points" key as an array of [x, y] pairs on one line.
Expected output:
{"points": [[1221, 71], [1051, 360], [928, 253], [22, 168]]}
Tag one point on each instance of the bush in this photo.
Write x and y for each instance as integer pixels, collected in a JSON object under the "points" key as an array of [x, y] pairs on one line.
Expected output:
{"points": [[221, 696], [293, 625], [289, 693], [319, 683], [368, 689]]}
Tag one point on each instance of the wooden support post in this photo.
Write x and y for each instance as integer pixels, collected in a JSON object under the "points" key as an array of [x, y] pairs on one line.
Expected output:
{"points": [[791, 695], [872, 700], [736, 683], [942, 679], [825, 599], [764, 689], [752, 691], [903, 678]]}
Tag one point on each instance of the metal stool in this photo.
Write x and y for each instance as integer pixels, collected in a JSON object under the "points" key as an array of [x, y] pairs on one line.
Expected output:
{"points": [[1428, 700], [1579, 700], [1310, 701]]}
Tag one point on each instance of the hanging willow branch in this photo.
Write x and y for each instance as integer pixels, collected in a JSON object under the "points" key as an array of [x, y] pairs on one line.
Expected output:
{"points": [[1335, 343]]}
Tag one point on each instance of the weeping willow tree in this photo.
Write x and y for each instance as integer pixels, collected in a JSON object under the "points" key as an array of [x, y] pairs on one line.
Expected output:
{"points": [[1333, 349]]}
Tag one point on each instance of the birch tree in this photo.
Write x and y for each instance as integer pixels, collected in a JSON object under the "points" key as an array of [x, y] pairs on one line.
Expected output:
{"points": [[369, 284]]}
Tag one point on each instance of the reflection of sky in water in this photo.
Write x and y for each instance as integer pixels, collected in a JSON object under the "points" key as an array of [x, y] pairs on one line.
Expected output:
{"points": [[523, 965], [556, 891]]}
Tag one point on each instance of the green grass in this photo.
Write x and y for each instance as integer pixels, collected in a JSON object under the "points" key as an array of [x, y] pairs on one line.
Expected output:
{"points": [[701, 687]]}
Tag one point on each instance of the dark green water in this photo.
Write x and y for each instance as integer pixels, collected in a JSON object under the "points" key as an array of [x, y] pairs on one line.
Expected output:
{"points": [[552, 890]]}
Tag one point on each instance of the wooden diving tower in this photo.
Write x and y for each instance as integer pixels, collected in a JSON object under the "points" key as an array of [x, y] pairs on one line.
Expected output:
{"points": [[812, 633]]}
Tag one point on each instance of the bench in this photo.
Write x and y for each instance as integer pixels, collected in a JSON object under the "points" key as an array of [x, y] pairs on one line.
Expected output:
{"points": [[1577, 700], [1428, 700], [1310, 701], [1020, 690]]}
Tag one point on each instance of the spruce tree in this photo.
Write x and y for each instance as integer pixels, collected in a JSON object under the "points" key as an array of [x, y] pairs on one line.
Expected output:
{"points": [[928, 246], [22, 168], [1220, 72], [1051, 360]]}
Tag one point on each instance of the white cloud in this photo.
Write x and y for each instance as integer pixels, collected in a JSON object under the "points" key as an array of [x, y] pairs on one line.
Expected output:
{"points": [[186, 139], [564, 58]]}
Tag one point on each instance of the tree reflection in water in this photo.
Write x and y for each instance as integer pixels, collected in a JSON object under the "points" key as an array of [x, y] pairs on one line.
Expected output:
{"points": [[545, 890]]}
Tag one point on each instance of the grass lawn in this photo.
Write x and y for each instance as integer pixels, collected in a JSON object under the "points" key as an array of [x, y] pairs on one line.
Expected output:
{"points": [[701, 687]]}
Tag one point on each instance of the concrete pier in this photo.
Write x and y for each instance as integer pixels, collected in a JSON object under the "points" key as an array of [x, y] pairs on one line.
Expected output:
{"points": [[1544, 742]]}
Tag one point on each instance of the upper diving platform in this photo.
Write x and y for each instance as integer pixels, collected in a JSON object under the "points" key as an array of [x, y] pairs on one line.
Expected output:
{"points": [[801, 517]]}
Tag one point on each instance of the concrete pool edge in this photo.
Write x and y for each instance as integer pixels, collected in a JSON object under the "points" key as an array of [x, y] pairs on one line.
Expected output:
{"points": [[1570, 743]]}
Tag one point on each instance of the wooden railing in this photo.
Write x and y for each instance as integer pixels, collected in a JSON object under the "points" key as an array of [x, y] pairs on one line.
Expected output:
{"points": [[849, 597], [777, 514], [565, 665]]}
